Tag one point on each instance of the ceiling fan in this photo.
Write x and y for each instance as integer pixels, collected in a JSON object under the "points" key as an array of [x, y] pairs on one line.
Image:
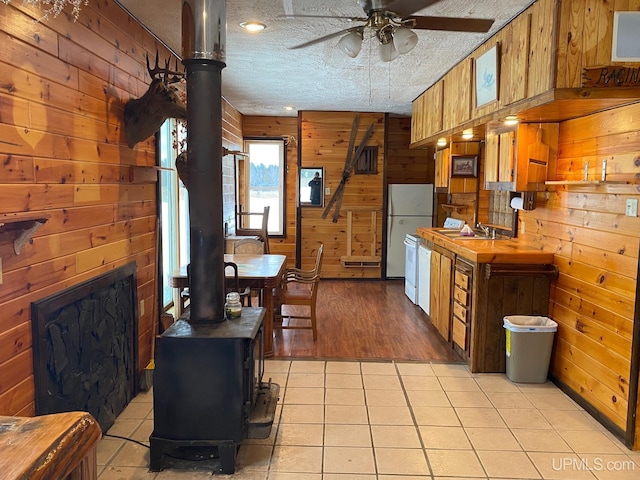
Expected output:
{"points": [[392, 23]]}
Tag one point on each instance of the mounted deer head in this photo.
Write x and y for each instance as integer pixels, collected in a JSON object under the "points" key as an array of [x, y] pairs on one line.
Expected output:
{"points": [[145, 115]]}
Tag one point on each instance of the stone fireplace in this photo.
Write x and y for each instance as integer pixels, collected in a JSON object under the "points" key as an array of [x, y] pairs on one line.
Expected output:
{"points": [[85, 347]]}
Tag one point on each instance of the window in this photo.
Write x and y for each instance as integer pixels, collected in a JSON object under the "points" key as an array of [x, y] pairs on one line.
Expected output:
{"points": [[367, 162], [265, 181], [174, 207]]}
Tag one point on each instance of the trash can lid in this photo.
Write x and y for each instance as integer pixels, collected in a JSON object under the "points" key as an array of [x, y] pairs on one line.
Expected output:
{"points": [[529, 323]]}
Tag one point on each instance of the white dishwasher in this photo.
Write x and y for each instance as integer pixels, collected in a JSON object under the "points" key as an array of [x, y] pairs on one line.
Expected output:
{"points": [[411, 243], [424, 281]]}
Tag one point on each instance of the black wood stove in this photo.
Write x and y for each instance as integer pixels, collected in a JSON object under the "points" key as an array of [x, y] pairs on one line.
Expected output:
{"points": [[208, 389], [208, 393]]}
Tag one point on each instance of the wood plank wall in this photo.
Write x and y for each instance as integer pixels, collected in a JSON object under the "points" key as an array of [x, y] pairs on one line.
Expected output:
{"points": [[596, 250], [401, 166], [232, 140], [63, 153], [404, 165], [275, 127], [324, 142]]}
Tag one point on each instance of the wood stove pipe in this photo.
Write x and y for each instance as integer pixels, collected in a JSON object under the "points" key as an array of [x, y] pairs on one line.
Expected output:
{"points": [[203, 53]]}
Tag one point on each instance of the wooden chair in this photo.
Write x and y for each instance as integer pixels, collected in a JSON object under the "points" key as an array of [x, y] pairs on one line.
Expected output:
{"points": [[248, 246], [243, 229], [230, 285], [299, 288], [235, 286]]}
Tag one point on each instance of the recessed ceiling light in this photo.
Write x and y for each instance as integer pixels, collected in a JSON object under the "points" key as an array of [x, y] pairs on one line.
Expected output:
{"points": [[442, 142], [253, 26], [288, 108], [467, 134]]}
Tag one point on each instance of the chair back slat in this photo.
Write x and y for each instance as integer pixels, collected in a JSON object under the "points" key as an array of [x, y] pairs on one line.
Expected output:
{"points": [[248, 246], [243, 228]]}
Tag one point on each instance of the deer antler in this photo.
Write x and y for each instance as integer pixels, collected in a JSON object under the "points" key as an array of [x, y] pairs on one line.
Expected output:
{"points": [[176, 76]]}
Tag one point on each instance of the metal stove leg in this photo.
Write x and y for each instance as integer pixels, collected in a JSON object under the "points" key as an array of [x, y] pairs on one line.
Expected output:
{"points": [[227, 454]]}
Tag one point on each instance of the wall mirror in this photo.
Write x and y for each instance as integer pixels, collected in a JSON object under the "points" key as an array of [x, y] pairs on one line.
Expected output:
{"points": [[312, 187]]}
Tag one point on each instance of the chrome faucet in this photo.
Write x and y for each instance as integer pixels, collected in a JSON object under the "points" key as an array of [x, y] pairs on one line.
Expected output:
{"points": [[484, 229]]}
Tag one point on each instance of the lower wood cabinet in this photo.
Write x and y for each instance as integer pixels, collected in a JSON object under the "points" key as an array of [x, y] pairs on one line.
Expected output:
{"points": [[462, 306], [505, 289], [469, 302], [441, 290]]}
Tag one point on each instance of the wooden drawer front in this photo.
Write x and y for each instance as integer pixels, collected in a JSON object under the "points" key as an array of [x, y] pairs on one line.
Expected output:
{"points": [[460, 312], [459, 333], [462, 279], [461, 295]]}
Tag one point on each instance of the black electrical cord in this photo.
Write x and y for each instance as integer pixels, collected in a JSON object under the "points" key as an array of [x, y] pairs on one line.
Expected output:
{"points": [[198, 457], [128, 439]]}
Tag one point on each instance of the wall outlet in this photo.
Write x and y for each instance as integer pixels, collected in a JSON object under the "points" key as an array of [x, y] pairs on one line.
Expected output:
{"points": [[141, 307], [632, 207], [327, 191]]}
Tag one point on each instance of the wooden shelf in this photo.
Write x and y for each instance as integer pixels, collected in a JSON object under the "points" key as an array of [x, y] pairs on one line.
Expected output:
{"points": [[360, 261], [582, 182], [25, 224], [457, 208]]}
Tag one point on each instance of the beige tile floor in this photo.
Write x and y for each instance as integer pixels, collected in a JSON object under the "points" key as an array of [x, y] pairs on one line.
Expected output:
{"points": [[398, 421]]}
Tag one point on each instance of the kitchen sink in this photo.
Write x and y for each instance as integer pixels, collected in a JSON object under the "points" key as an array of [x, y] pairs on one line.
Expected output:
{"points": [[479, 235]]}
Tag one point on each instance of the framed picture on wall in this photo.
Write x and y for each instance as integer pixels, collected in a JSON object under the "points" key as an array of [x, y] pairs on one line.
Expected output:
{"points": [[487, 77], [464, 166]]}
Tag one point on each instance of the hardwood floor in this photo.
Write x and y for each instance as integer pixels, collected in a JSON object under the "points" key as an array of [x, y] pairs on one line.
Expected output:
{"points": [[366, 320]]}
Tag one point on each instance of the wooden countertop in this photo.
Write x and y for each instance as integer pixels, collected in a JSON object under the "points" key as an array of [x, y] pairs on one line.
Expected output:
{"points": [[512, 250], [59, 445]]}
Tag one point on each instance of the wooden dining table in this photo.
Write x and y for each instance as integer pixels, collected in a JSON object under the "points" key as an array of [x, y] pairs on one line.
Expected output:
{"points": [[263, 270]]}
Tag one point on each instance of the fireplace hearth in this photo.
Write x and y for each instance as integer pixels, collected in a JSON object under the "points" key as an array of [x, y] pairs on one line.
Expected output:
{"points": [[85, 347]]}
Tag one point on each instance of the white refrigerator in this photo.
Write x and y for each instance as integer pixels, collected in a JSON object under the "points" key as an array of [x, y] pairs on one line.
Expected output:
{"points": [[409, 207]]}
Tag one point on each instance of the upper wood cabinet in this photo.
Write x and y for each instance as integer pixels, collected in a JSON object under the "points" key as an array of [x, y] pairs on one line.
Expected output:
{"points": [[542, 54], [443, 167], [517, 158]]}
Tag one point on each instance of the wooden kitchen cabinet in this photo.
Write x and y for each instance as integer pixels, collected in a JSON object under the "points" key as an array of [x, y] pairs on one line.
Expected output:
{"points": [[469, 300], [501, 290], [518, 158], [441, 290], [443, 167], [462, 310]]}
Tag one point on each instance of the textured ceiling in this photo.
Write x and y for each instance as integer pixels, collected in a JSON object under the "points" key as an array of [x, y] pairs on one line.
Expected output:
{"points": [[263, 75]]}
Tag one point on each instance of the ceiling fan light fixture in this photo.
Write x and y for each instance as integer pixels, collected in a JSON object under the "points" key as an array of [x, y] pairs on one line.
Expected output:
{"points": [[351, 43], [404, 39], [388, 52]]}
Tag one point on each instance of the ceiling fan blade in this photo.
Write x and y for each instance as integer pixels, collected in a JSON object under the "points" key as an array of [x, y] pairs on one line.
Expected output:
{"points": [[452, 24], [349, 19], [327, 37], [405, 8]]}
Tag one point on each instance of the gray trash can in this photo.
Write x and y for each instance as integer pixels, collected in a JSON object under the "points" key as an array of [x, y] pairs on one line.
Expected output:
{"points": [[529, 343]]}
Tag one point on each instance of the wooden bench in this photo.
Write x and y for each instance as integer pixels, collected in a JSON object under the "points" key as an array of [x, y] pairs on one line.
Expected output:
{"points": [[61, 446]]}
